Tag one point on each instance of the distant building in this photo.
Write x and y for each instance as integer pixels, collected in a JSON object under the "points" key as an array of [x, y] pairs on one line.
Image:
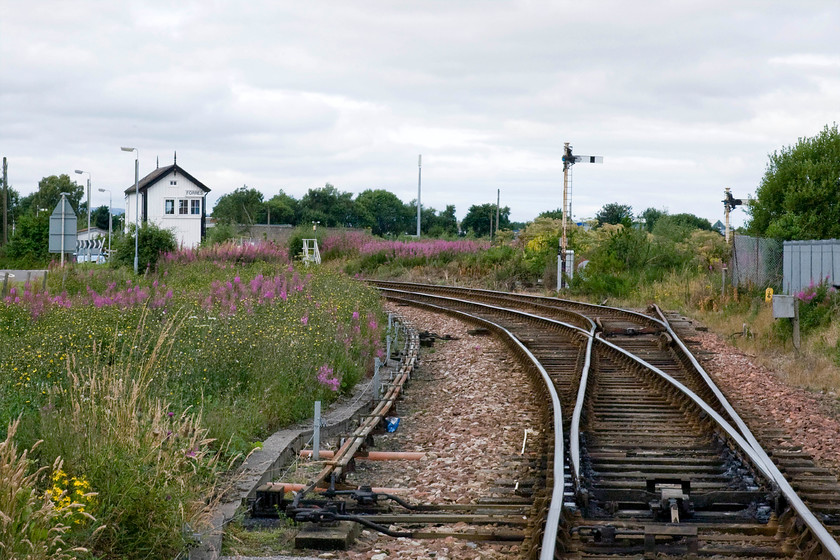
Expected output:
{"points": [[91, 242], [171, 199], [719, 227]]}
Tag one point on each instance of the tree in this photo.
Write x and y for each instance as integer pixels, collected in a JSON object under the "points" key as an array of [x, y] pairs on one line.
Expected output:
{"points": [[650, 217], [99, 218], [30, 244], [691, 221], [432, 222], [383, 212], [478, 219], [49, 193], [552, 214], [442, 223], [242, 206], [615, 213], [284, 209], [799, 195], [330, 207]]}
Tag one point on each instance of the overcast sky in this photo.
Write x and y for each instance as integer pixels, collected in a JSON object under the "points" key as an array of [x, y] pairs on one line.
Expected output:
{"points": [[681, 98]]}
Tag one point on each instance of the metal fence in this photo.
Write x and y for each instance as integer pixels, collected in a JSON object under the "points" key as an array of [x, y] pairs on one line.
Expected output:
{"points": [[808, 263], [756, 262]]}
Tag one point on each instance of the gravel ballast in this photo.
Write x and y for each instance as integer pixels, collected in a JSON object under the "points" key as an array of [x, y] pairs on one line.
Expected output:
{"points": [[468, 406]]}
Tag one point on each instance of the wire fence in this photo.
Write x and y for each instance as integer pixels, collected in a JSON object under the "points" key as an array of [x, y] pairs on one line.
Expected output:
{"points": [[756, 262]]}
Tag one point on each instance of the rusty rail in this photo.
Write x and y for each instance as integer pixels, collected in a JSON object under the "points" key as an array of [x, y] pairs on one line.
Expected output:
{"points": [[353, 443]]}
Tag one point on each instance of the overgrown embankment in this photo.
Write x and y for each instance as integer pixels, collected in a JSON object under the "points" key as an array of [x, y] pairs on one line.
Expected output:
{"points": [[149, 388]]}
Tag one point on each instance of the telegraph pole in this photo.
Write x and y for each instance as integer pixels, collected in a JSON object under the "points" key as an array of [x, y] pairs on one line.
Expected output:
{"points": [[419, 169], [5, 203], [569, 160], [498, 197]]}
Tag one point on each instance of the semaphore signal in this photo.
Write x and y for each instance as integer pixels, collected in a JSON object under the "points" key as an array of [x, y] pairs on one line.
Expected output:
{"points": [[569, 159]]}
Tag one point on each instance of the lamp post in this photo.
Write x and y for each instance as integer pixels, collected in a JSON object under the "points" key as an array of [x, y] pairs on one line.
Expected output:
{"points": [[79, 171], [136, 204], [110, 215]]}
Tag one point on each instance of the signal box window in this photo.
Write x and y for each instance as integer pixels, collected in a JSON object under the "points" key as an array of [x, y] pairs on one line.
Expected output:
{"points": [[182, 206], [169, 206], [195, 207]]}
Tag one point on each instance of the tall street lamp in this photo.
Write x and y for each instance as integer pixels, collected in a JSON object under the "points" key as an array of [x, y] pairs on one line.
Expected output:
{"points": [[136, 204], [110, 215], [79, 171]]}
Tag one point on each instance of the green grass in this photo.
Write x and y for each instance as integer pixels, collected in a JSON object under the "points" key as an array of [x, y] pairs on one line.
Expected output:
{"points": [[152, 399]]}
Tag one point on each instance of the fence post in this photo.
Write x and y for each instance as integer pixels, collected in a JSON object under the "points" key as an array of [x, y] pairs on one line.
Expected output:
{"points": [[5, 284], [316, 433], [376, 380], [723, 282], [796, 337]]}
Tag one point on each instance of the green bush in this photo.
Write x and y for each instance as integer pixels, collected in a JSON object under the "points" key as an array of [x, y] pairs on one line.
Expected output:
{"points": [[817, 305], [219, 233], [153, 241], [297, 237]]}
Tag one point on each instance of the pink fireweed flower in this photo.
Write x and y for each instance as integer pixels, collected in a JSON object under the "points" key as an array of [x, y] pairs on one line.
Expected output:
{"points": [[327, 379], [305, 319]]}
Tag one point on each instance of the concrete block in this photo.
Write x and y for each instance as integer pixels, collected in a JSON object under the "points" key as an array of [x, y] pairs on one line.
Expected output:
{"points": [[334, 536]]}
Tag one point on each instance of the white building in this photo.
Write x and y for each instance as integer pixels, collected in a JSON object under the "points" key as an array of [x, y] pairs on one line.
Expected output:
{"points": [[98, 245], [171, 199]]}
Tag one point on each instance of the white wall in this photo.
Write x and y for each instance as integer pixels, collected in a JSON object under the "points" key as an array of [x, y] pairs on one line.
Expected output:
{"points": [[186, 227]]}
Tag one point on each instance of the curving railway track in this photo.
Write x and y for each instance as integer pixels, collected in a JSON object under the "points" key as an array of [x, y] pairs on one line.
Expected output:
{"points": [[644, 456]]}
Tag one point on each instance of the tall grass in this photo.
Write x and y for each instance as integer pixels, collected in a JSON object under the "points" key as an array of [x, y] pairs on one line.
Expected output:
{"points": [[31, 526], [148, 387], [151, 464]]}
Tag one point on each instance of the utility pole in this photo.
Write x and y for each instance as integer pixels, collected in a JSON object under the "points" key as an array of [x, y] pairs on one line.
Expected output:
{"points": [[5, 203], [498, 196], [419, 169], [569, 160]]}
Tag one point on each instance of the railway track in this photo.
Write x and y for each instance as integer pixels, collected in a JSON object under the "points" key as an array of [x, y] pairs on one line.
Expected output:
{"points": [[645, 456]]}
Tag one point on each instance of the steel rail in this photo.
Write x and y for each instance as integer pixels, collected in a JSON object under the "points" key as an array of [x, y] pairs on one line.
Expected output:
{"points": [[353, 442], [741, 436], [555, 508], [704, 406], [662, 322], [817, 528], [574, 432], [525, 296], [769, 469], [730, 410]]}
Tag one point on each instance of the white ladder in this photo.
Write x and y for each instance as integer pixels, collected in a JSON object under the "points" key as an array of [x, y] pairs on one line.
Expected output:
{"points": [[311, 254]]}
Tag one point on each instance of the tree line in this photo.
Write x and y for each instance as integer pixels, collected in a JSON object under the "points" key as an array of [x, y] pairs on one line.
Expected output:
{"points": [[798, 198], [28, 218], [378, 209]]}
